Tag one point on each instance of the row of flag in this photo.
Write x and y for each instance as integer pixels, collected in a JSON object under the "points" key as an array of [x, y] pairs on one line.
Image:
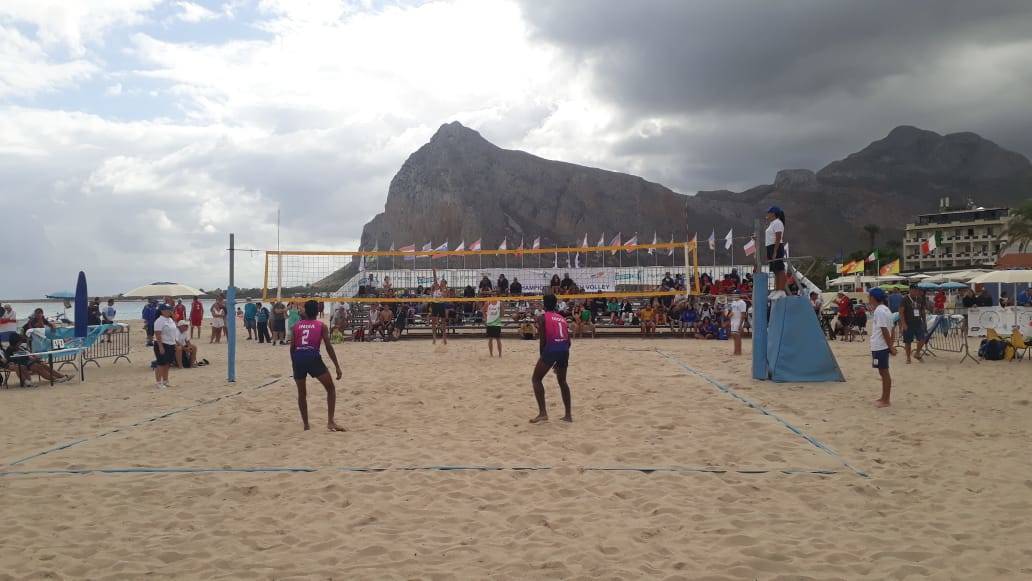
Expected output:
{"points": [[857, 266]]}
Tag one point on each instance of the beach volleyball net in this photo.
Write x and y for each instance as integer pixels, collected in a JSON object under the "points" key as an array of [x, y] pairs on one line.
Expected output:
{"points": [[364, 275]]}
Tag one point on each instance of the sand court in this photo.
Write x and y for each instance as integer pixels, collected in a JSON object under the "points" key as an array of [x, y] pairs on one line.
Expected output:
{"points": [[453, 407]]}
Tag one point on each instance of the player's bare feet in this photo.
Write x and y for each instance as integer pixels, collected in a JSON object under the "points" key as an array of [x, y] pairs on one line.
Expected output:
{"points": [[333, 427], [540, 418], [881, 404], [568, 418], [307, 427]]}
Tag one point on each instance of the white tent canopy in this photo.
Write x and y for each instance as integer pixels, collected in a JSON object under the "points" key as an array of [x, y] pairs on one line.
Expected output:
{"points": [[1004, 277], [163, 289]]}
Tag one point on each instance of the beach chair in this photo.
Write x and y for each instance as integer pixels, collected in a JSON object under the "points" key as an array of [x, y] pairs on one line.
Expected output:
{"points": [[1017, 341]]}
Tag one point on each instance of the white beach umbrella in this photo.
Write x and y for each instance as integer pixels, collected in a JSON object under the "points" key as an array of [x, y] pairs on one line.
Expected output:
{"points": [[1004, 277], [163, 289]]}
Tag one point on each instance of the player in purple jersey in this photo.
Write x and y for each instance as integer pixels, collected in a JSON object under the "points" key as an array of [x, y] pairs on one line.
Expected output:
{"points": [[555, 353], [305, 358]]}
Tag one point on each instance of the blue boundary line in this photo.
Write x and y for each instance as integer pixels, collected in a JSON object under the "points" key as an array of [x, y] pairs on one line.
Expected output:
{"points": [[727, 390], [73, 443], [446, 468]]}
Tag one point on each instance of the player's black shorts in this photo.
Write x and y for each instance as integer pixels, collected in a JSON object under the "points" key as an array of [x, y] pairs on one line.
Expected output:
{"points": [[166, 358], [559, 360], [308, 363], [493, 332], [776, 265], [437, 309]]}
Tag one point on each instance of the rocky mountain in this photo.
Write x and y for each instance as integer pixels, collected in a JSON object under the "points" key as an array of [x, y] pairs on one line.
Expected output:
{"points": [[459, 186]]}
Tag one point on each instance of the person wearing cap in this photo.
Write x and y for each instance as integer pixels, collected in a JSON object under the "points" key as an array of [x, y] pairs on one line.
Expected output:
{"points": [[774, 239], [165, 334], [912, 317], [149, 315], [186, 350], [881, 342]]}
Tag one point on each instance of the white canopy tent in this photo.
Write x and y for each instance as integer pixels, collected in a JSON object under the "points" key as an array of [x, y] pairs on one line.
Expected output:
{"points": [[163, 289], [1003, 277]]}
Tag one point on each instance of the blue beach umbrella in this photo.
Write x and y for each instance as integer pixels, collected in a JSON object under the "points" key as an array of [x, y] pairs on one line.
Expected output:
{"points": [[952, 285], [928, 286]]}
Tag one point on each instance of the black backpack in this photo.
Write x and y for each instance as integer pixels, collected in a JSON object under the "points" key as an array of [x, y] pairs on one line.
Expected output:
{"points": [[992, 349]]}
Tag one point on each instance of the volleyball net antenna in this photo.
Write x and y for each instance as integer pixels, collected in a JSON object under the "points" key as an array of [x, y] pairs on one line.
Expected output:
{"points": [[598, 272]]}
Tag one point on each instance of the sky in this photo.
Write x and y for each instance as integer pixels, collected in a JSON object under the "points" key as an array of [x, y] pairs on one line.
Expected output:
{"points": [[135, 135]]}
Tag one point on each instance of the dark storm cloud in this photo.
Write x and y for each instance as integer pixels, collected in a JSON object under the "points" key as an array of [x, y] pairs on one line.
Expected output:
{"points": [[823, 77]]}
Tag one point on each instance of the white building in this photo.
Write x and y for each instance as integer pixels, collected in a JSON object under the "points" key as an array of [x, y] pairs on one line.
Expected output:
{"points": [[966, 238]]}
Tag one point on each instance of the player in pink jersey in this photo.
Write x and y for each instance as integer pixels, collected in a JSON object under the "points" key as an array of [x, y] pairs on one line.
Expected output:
{"points": [[309, 333], [555, 353]]}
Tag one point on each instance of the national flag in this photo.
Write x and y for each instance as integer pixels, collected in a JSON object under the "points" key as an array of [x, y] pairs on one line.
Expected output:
{"points": [[615, 242], [695, 239], [655, 240], [361, 263], [671, 251], [441, 248], [475, 246], [461, 246], [750, 247], [410, 248], [890, 268], [929, 246], [537, 243], [847, 267], [427, 248], [712, 240], [601, 239], [873, 256], [376, 248], [585, 243], [505, 244], [520, 247], [858, 267], [576, 260], [392, 247], [727, 239], [631, 243]]}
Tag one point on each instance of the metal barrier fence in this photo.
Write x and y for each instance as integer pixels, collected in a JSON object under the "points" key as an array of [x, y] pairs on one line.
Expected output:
{"points": [[948, 333], [113, 344]]}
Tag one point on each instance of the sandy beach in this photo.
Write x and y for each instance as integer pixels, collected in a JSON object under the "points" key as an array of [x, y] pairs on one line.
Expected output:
{"points": [[730, 492]]}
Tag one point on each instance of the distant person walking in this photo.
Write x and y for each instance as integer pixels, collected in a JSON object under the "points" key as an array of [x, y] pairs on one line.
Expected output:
{"points": [[250, 311], [196, 317], [149, 315], [262, 322], [279, 322], [218, 320]]}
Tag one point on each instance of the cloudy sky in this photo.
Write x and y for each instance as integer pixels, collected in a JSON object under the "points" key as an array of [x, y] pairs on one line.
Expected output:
{"points": [[136, 134]]}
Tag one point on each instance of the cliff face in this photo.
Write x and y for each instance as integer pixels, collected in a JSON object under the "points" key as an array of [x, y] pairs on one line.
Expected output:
{"points": [[461, 187]]}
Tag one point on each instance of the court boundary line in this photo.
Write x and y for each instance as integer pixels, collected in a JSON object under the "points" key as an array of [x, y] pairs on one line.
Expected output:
{"points": [[750, 403], [647, 470], [73, 443]]}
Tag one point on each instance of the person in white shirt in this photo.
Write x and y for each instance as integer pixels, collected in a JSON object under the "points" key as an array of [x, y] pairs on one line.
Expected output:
{"points": [[186, 351], [881, 342], [736, 312], [774, 239], [165, 335]]}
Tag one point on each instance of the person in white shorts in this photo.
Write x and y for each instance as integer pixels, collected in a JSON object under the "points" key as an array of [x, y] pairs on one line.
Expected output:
{"points": [[736, 312]]}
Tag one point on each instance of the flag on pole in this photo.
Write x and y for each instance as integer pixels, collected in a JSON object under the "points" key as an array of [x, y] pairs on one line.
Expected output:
{"points": [[615, 242], [695, 239], [728, 239], [520, 247], [632, 243], [787, 255], [505, 244], [410, 248], [392, 247], [655, 240], [671, 251], [537, 243], [929, 246], [890, 268], [427, 248], [585, 243], [712, 240], [376, 248], [601, 239], [847, 267], [461, 246], [475, 245], [750, 247], [873, 256], [441, 248], [576, 260]]}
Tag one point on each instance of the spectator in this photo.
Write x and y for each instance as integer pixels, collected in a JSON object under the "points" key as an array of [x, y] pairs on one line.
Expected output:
{"points": [[1025, 298], [179, 314], [186, 350], [969, 299], [668, 282], [613, 309], [1004, 300], [816, 302], [293, 316], [279, 323], [218, 320], [567, 285], [108, 314], [19, 355], [554, 284], [341, 317], [582, 321], [197, 317], [895, 300], [984, 299], [503, 284], [647, 318], [707, 330], [515, 288], [689, 319], [913, 314], [598, 307], [150, 314], [250, 311], [93, 312], [165, 335], [485, 286], [627, 310], [261, 319], [940, 302], [734, 276], [845, 310]]}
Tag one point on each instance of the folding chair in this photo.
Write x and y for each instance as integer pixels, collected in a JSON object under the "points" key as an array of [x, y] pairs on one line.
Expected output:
{"points": [[1017, 341]]}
